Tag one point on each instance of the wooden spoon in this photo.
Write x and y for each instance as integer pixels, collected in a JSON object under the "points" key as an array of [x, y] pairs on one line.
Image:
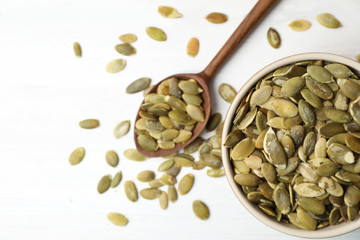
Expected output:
{"points": [[256, 13]]}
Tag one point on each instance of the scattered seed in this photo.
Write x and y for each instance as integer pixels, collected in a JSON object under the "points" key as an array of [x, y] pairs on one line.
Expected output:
{"points": [[186, 183], [112, 158], [216, 17], [89, 123], [117, 219], [125, 49], [115, 181], [169, 12], [122, 128], [104, 184], [133, 154], [328, 20], [138, 85], [156, 33], [77, 49], [115, 66], [300, 25], [192, 47], [77, 156], [201, 210], [273, 38], [131, 191], [128, 38]]}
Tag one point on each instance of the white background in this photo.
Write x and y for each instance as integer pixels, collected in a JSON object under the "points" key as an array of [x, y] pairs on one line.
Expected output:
{"points": [[45, 91]]}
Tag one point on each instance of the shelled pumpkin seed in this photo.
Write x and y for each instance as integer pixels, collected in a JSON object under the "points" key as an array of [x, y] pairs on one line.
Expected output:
{"points": [[166, 119], [128, 38], [302, 164], [192, 47], [216, 17], [77, 49], [300, 25], [169, 12]]}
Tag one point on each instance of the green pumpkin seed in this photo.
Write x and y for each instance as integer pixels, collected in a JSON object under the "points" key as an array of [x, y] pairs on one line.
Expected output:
{"points": [[311, 205], [165, 121], [352, 196], [288, 145], [322, 90], [241, 113], [131, 190], [77, 49], [128, 38], [183, 136], [273, 38], [115, 181], [274, 150], [311, 98], [89, 123], [306, 219], [289, 71], [192, 99], [340, 154], [339, 70], [192, 47], [269, 172], [266, 190], [138, 85], [186, 183], [292, 86], [77, 156], [115, 66], [334, 216], [150, 193], [227, 92], [167, 179], [156, 183], [353, 213], [133, 154], [293, 218], [242, 149], [213, 122], [331, 129], [268, 210], [320, 74], [282, 199], [164, 200], [306, 113], [249, 180], [255, 196], [147, 143], [117, 219], [112, 158], [309, 190], [166, 165], [211, 160], [195, 112], [125, 49], [300, 25], [145, 176], [154, 98], [349, 88], [292, 164], [216, 17], [253, 162], [169, 12], [104, 184], [172, 193], [215, 172], [354, 109], [261, 96], [328, 20], [284, 108], [156, 33], [336, 190], [327, 169], [233, 138], [121, 129], [201, 210], [194, 145], [353, 143], [338, 115], [308, 172]]}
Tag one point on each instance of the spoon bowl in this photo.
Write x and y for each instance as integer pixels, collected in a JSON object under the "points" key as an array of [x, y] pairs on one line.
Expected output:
{"points": [[250, 21]]}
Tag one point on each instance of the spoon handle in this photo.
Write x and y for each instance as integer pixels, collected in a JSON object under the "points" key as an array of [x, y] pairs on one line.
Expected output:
{"points": [[253, 17]]}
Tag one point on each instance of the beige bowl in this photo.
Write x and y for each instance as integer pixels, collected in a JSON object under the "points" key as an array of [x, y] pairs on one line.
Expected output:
{"points": [[329, 231]]}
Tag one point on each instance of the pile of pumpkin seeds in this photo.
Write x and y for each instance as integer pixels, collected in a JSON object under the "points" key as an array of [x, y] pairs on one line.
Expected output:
{"points": [[295, 144], [168, 116]]}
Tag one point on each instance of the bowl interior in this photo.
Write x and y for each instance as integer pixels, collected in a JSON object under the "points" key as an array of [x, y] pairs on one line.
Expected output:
{"points": [[329, 231]]}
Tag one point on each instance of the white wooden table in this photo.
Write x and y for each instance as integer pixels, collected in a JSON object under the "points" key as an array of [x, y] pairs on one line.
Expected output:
{"points": [[45, 91]]}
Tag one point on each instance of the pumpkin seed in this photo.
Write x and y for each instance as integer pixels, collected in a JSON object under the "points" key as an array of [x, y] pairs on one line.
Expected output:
{"points": [[353, 212], [311, 205], [353, 143], [349, 88], [339, 70], [334, 216], [292, 86], [156, 33], [227, 92], [138, 85], [327, 169], [274, 150], [131, 190], [166, 165], [89, 123], [192, 99], [115, 181], [164, 200], [337, 115], [306, 219], [320, 89], [115, 66], [125, 49], [215, 172], [77, 49], [147, 143], [133, 154], [306, 113], [145, 176], [169, 12], [192, 47], [249, 180], [210, 160], [172, 193], [112, 158], [292, 164], [269, 172], [300, 25], [273, 38], [167, 179], [174, 171], [195, 112], [261, 96], [354, 109], [104, 184], [122, 128], [77, 156], [311, 98], [341, 154], [309, 190], [352, 196], [319, 73], [288, 145], [328, 20], [183, 136], [213, 122], [201, 210], [128, 38], [150, 193], [186, 183], [233, 138], [194, 145], [117, 219], [331, 129], [243, 149], [216, 17], [282, 199]]}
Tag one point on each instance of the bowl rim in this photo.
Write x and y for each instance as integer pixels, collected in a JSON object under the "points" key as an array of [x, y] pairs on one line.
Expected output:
{"points": [[326, 232]]}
